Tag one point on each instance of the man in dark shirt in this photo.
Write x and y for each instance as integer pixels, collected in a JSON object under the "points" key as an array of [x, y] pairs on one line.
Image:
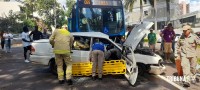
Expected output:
{"points": [[168, 35], [36, 34]]}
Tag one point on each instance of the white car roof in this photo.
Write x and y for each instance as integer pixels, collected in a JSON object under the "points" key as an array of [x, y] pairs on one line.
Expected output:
{"points": [[90, 34]]}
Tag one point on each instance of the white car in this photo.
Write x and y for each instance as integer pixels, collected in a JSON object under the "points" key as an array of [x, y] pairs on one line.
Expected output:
{"points": [[142, 59]]}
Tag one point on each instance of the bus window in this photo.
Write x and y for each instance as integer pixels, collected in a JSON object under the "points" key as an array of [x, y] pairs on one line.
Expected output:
{"points": [[112, 19], [90, 20]]}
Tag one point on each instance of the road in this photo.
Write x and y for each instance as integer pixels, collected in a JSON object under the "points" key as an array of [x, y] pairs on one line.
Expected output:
{"points": [[15, 74]]}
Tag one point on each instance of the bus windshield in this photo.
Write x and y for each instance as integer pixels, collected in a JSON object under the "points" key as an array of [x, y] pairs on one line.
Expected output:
{"points": [[106, 20]]}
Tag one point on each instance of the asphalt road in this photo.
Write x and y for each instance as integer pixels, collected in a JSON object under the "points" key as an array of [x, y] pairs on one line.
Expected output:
{"points": [[15, 74]]}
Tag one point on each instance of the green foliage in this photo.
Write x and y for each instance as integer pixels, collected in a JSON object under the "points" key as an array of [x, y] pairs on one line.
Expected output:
{"points": [[29, 22], [10, 23], [130, 3], [69, 4], [49, 10]]}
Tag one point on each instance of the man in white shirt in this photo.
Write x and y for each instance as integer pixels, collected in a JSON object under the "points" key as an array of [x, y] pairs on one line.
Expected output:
{"points": [[26, 41], [8, 36]]}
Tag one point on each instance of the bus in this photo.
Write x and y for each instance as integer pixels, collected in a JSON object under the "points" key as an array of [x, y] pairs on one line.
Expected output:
{"points": [[106, 16]]}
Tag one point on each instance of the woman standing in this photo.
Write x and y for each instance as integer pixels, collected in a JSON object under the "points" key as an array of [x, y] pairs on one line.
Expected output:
{"points": [[8, 36]]}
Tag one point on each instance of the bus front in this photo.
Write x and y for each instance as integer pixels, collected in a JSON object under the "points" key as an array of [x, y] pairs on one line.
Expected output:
{"points": [[100, 16]]}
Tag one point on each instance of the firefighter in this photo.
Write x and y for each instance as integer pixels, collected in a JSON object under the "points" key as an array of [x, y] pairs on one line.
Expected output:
{"points": [[186, 51], [62, 40]]}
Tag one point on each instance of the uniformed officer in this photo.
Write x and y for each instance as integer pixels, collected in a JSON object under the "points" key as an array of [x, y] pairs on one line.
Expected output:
{"points": [[186, 51], [62, 40], [97, 58]]}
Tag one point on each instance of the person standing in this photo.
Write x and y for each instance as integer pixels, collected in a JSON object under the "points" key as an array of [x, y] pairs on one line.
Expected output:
{"points": [[129, 29], [168, 35], [45, 35], [8, 36], [2, 40], [36, 34], [26, 42], [186, 52], [62, 41], [173, 43], [162, 41], [97, 58], [152, 40]]}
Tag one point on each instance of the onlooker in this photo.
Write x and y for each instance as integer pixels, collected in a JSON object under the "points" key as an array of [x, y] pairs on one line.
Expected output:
{"points": [[45, 34], [2, 40], [62, 40], [162, 41], [186, 52], [168, 36], [26, 41], [152, 40], [36, 34], [8, 36], [97, 58], [141, 43], [129, 29], [173, 43], [122, 40]]}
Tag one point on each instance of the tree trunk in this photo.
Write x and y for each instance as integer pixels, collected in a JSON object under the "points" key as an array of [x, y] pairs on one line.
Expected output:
{"points": [[155, 14], [141, 10], [168, 10]]}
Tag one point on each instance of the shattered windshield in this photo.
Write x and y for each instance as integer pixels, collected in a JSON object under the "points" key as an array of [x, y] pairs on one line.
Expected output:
{"points": [[106, 20]]}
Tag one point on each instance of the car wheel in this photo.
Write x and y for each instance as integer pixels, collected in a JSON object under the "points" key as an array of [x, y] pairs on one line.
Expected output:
{"points": [[53, 66], [141, 68]]}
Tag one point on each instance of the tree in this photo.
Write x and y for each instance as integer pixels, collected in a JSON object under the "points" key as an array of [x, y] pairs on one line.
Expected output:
{"points": [[69, 4], [49, 10], [10, 23], [130, 3], [168, 10]]}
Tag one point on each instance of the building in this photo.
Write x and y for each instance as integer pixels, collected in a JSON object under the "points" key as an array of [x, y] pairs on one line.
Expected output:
{"points": [[181, 12], [7, 6]]}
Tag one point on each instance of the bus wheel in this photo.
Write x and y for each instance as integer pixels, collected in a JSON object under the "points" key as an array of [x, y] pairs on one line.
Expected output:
{"points": [[53, 66]]}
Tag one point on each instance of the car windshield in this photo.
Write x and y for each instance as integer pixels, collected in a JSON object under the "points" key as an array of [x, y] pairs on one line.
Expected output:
{"points": [[106, 20]]}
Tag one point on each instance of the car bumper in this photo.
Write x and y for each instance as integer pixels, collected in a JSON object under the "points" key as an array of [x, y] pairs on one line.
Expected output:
{"points": [[157, 70], [44, 60]]}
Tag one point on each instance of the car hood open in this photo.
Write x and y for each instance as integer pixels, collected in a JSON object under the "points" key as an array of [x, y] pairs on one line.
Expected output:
{"points": [[137, 34]]}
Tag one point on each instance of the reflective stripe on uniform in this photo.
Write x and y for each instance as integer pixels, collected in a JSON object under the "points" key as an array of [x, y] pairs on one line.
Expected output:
{"points": [[61, 51]]}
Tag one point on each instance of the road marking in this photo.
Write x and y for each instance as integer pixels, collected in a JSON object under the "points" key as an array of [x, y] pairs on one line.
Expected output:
{"points": [[172, 83]]}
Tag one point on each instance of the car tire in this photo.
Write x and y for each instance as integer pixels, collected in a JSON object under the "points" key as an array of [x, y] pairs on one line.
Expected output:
{"points": [[141, 69], [53, 66]]}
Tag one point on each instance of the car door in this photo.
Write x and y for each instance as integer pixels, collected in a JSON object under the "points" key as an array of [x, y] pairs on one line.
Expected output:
{"points": [[128, 50], [81, 49]]}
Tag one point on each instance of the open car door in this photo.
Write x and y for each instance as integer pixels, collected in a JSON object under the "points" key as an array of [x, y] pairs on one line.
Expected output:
{"points": [[129, 46]]}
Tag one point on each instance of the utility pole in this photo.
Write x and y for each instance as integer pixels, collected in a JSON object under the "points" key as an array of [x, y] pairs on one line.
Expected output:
{"points": [[155, 14]]}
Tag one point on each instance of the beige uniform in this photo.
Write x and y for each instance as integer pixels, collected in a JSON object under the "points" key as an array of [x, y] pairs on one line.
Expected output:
{"points": [[62, 40], [186, 48]]}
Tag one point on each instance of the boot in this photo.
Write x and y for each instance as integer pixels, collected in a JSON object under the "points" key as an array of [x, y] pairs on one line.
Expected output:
{"points": [[61, 81], [93, 78], [69, 82]]}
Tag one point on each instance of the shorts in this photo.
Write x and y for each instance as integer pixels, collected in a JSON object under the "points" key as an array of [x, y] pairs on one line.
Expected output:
{"points": [[152, 46], [167, 47]]}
